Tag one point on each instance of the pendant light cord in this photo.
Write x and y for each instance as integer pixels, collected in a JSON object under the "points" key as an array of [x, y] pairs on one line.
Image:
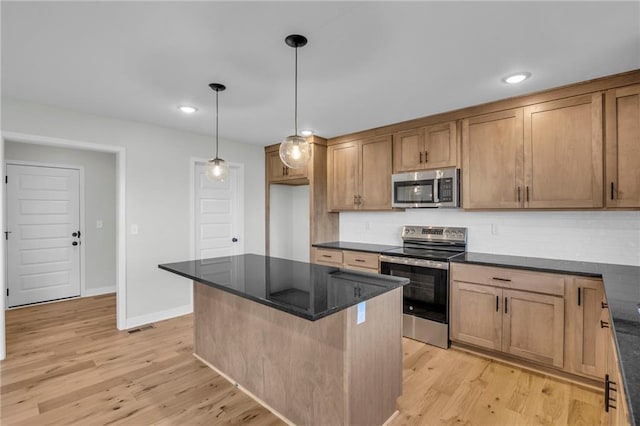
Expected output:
{"points": [[296, 95], [216, 124]]}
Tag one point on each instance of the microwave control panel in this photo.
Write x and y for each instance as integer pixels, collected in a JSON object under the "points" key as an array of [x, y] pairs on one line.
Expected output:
{"points": [[446, 190]]}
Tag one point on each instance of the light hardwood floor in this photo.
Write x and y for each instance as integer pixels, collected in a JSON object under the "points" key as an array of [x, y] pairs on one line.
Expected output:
{"points": [[67, 364]]}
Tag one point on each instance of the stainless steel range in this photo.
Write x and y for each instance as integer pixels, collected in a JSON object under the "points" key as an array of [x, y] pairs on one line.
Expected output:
{"points": [[424, 259]]}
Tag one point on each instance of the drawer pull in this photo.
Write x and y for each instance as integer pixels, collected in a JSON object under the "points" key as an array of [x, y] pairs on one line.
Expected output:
{"points": [[604, 305], [604, 324], [326, 255], [501, 279], [497, 303], [607, 393], [360, 260], [506, 310]]}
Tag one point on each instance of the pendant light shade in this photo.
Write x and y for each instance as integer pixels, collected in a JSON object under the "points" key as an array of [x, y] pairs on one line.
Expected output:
{"points": [[295, 150], [217, 168]]}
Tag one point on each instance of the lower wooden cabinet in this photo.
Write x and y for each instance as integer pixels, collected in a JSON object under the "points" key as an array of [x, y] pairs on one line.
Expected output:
{"points": [[615, 399], [552, 319], [525, 324], [586, 342], [346, 259]]}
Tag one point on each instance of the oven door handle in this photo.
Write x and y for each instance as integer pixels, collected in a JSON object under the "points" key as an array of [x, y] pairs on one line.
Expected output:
{"points": [[424, 263]]}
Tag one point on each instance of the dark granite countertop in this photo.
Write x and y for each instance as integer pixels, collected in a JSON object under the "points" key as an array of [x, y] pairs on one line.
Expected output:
{"points": [[622, 288], [302, 289], [345, 245]]}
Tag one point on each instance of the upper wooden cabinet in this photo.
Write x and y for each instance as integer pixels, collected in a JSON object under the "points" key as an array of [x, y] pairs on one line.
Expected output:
{"points": [[429, 147], [359, 175], [623, 147], [547, 155], [278, 172], [492, 153], [563, 153]]}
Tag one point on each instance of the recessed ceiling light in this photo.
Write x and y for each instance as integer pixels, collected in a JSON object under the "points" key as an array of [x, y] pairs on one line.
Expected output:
{"points": [[187, 109], [306, 133], [517, 78]]}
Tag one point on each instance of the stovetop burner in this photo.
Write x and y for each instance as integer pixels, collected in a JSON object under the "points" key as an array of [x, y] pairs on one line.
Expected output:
{"points": [[422, 253]]}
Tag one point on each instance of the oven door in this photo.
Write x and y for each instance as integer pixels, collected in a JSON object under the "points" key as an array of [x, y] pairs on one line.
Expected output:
{"points": [[414, 193], [427, 294]]}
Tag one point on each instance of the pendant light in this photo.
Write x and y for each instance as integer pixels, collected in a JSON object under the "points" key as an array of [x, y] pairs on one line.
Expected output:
{"points": [[295, 150], [217, 168]]}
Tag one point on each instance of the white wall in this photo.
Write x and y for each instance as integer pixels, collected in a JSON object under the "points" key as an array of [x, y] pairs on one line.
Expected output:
{"points": [[289, 222], [157, 193], [594, 236], [99, 200]]}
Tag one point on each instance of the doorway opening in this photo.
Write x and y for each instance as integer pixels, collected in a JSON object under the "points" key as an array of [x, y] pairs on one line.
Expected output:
{"points": [[119, 219]]}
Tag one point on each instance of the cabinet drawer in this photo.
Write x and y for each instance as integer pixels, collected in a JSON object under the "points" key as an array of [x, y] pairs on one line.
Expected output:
{"points": [[361, 260], [538, 282], [333, 257]]}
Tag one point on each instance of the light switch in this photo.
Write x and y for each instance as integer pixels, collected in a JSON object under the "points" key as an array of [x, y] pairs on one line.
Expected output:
{"points": [[99, 224], [134, 229]]}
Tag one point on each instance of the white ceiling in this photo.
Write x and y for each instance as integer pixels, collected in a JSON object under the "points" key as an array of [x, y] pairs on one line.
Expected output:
{"points": [[367, 64]]}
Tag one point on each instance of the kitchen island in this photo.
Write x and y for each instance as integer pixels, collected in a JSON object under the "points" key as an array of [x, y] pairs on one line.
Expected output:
{"points": [[314, 344]]}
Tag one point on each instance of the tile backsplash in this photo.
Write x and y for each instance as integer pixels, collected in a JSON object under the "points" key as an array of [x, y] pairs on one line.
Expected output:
{"points": [[593, 236]]}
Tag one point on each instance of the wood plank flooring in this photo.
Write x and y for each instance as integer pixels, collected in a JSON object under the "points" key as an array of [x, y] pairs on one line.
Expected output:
{"points": [[67, 364]]}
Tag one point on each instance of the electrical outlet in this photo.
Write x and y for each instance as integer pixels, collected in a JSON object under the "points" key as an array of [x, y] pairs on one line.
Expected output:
{"points": [[99, 224], [134, 229]]}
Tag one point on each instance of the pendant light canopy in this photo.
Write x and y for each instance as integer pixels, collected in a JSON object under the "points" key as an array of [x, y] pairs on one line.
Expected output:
{"points": [[295, 150], [217, 168]]}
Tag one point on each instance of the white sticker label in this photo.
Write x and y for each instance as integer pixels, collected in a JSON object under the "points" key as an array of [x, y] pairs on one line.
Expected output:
{"points": [[362, 312]]}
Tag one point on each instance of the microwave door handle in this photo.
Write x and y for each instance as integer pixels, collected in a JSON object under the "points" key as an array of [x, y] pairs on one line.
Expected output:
{"points": [[436, 187]]}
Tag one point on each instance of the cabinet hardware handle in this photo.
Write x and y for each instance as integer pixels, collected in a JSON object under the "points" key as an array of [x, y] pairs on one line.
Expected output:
{"points": [[527, 193], [506, 309], [359, 199], [501, 279], [518, 194], [497, 303], [420, 156], [355, 200], [287, 169], [426, 156], [326, 255], [604, 324], [612, 190], [360, 260], [606, 393], [604, 305], [579, 294]]}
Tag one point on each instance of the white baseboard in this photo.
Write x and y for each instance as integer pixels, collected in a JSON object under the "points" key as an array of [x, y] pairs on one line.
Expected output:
{"points": [[158, 316], [89, 292]]}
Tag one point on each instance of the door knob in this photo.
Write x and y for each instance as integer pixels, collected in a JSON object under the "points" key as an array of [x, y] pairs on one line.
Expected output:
{"points": [[75, 243], [75, 234], [234, 239]]}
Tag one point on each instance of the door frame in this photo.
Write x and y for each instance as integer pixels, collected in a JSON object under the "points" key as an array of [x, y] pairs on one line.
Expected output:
{"points": [[192, 200], [81, 223], [121, 236]]}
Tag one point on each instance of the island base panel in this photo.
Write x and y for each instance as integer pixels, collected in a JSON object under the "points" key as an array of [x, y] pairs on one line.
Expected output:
{"points": [[329, 371]]}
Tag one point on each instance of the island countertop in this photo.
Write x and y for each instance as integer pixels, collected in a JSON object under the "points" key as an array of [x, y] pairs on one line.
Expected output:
{"points": [[302, 289]]}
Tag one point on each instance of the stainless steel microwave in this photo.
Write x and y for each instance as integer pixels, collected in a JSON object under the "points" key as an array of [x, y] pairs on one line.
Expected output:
{"points": [[428, 188]]}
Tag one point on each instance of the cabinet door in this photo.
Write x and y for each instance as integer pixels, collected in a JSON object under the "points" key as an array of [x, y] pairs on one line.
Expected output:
{"points": [[375, 174], [492, 153], [533, 326], [440, 145], [277, 169], [408, 151], [623, 147], [475, 314], [586, 339], [563, 153], [342, 176]]}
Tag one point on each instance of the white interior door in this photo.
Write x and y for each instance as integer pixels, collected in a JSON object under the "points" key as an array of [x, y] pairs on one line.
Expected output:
{"points": [[219, 214], [43, 213]]}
